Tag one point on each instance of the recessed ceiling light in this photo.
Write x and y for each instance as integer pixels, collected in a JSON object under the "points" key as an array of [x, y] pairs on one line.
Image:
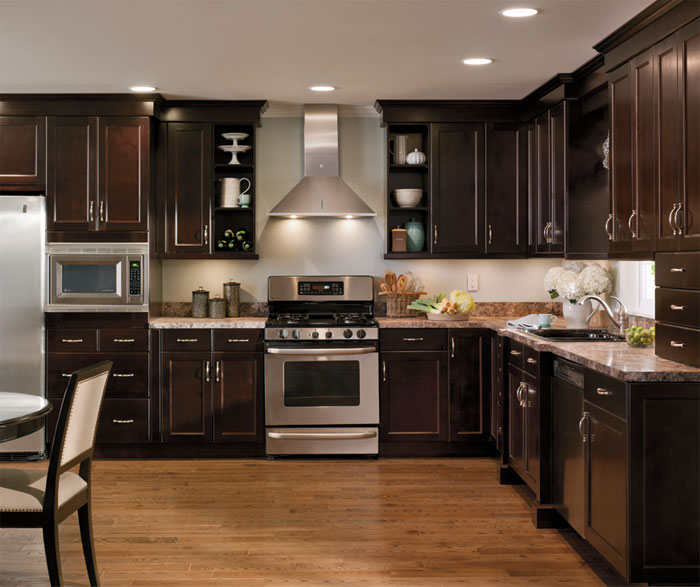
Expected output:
{"points": [[477, 61], [519, 12], [143, 88], [322, 88]]}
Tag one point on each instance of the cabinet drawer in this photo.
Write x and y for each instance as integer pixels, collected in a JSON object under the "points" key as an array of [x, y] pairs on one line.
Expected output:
{"points": [[413, 339], [134, 339], [606, 393], [678, 344], [678, 270], [678, 306], [235, 339], [129, 376], [70, 341], [515, 352], [123, 421], [186, 340], [531, 361]]}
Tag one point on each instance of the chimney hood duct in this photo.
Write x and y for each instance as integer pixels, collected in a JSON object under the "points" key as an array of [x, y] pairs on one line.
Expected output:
{"points": [[321, 192]]}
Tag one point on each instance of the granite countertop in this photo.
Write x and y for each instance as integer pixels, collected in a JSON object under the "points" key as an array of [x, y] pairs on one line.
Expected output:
{"points": [[187, 322]]}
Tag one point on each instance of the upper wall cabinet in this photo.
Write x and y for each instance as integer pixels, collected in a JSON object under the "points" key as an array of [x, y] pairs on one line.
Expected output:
{"points": [[98, 178], [22, 151]]}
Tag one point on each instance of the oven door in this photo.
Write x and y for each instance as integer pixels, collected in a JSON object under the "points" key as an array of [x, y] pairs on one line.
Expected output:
{"points": [[321, 385]]}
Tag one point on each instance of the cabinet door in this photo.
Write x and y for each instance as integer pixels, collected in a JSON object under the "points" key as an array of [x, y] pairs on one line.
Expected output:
{"points": [[413, 396], [469, 384], [124, 174], [641, 220], [539, 184], [506, 189], [668, 155], [22, 150], [71, 186], [186, 397], [238, 397], [531, 397], [516, 421], [558, 164], [621, 193], [606, 486], [457, 200], [189, 188], [689, 71]]}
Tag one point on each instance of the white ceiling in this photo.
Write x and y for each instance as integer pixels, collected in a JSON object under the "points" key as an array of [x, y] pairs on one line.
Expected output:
{"points": [[275, 49]]}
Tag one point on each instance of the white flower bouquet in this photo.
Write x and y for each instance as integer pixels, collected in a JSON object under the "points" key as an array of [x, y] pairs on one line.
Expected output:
{"points": [[576, 280]]}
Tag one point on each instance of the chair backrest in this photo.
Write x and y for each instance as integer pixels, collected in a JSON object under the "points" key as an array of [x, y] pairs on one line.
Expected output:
{"points": [[74, 439]]}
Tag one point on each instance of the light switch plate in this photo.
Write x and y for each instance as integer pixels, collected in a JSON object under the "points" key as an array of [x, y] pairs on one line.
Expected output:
{"points": [[472, 282]]}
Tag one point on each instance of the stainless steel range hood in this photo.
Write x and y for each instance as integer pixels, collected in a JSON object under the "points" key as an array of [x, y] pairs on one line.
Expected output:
{"points": [[321, 192]]}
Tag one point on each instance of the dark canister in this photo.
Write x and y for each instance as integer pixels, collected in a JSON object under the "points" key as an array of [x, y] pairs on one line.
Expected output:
{"points": [[200, 303], [217, 307], [232, 295]]}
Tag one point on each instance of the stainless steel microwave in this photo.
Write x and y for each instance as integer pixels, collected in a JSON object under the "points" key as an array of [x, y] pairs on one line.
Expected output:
{"points": [[97, 277]]}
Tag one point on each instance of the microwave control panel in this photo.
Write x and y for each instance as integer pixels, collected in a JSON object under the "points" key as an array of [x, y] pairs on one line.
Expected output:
{"points": [[134, 278]]}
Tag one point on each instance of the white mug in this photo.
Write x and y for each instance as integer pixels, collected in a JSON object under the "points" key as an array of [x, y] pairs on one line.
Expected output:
{"points": [[230, 196], [546, 320]]}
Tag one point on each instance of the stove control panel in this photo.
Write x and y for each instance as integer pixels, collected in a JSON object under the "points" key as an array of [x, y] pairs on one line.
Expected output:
{"points": [[321, 333], [320, 288]]}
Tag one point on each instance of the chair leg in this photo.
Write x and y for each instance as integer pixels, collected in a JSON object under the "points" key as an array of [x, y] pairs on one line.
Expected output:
{"points": [[53, 554], [85, 519]]}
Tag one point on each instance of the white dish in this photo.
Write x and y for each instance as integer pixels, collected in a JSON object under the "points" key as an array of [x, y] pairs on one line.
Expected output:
{"points": [[408, 198], [235, 136], [447, 317]]}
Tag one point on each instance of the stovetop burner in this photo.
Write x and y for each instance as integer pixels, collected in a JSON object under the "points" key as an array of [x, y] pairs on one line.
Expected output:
{"points": [[304, 319]]}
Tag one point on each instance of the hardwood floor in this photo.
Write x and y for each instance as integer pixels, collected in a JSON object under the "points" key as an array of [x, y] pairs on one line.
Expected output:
{"points": [[403, 522]]}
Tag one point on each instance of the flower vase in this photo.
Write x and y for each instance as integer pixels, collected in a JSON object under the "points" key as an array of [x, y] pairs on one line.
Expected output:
{"points": [[577, 315]]}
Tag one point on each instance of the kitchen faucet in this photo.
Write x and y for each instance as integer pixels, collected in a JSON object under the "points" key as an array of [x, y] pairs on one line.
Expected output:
{"points": [[619, 318]]}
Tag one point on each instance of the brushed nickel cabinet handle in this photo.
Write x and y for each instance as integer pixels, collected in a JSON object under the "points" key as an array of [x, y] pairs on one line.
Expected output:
{"points": [[453, 347], [490, 234], [383, 370], [531, 361], [679, 227], [187, 339], [676, 344], [544, 232], [65, 374], [435, 234], [131, 421], [678, 270], [218, 371], [207, 369], [679, 308], [515, 353], [92, 211], [123, 375], [607, 224], [418, 339], [102, 211], [71, 340], [124, 340], [581, 422], [206, 234], [603, 391], [629, 223], [238, 340], [670, 219]]}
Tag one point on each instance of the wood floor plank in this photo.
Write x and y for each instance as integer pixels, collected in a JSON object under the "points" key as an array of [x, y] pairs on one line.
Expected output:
{"points": [[389, 522]]}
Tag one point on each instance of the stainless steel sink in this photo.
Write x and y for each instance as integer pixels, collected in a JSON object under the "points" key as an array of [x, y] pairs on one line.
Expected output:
{"points": [[577, 335]]}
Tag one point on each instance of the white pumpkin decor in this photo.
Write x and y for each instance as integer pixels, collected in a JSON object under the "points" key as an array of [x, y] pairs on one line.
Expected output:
{"points": [[416, 158]]}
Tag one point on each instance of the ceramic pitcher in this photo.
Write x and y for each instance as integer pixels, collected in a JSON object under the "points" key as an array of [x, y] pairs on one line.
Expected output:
{"points": [[230, 194]]}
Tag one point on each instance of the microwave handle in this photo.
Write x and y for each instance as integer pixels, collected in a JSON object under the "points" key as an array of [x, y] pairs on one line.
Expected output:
{"points": [[335, 351]]}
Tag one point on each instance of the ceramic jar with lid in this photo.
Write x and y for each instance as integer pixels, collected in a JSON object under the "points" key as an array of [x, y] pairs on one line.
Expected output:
{"points": [[200, 303], [415, 235]]}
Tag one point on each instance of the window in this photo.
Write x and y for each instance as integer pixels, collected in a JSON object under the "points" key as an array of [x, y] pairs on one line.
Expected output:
{"points": [[635, 286], [646, 286]]}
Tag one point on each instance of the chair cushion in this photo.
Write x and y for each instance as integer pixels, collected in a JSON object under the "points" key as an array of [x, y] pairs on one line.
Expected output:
{"points": [[22, 490]]}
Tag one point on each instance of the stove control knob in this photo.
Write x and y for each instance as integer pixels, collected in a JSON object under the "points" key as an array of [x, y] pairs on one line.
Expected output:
{"points": [[296, 333], [314, 334], [284, 333], [361, 333], [347, 333], [329, 334]]}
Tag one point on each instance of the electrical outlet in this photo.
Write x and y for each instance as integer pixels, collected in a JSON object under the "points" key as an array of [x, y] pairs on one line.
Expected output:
{"points": [[472, 283]]}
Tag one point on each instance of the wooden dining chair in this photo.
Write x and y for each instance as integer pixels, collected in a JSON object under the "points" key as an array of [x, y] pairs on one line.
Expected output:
{"points": [[40, 498]]}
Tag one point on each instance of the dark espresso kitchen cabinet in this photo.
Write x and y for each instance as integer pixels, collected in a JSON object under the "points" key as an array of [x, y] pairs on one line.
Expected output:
{"points": [[506, 189], [98, 178], [457, 189], [22, 151]]}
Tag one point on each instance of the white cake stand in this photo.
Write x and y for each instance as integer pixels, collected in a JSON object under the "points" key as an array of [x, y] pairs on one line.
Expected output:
{"points": [[234, 150]]}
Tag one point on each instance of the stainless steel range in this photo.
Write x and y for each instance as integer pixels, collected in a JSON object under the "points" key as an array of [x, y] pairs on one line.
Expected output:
{"points": [[321, 366]]}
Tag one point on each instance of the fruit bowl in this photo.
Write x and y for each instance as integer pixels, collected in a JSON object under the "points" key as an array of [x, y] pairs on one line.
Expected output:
{"points": [[639, 337], [408, 197]]}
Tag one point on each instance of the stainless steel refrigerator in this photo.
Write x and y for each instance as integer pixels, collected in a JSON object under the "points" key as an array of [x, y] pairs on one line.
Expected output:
{"points": [[22, 291]]}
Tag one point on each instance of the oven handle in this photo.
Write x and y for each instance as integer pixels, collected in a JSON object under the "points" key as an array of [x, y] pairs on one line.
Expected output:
{"points": [[322, 435], [365, 350]]}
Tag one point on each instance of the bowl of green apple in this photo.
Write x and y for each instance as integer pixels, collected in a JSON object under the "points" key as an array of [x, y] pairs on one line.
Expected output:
{"points": [[637, 336]]}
